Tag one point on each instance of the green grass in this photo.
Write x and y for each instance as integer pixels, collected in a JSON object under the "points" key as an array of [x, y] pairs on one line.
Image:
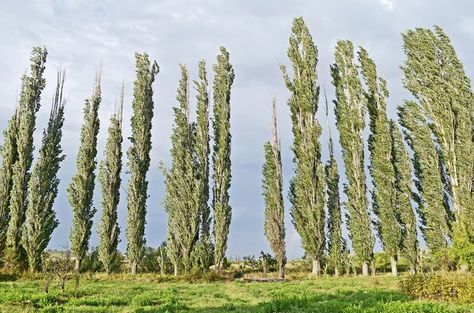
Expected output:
{"points": [[150, 293]]}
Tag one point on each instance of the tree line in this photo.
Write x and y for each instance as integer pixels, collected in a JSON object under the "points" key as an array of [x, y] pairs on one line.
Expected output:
{"points": [[421, 165]]}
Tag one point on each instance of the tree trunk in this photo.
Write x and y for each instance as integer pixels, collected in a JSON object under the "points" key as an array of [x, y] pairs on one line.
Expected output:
{"points": [[175, 269], [316, 267], [281, 271], [134, 267], [336, 271], [218, 267], [393, 264], [365, 269], [412, 269], [77, 265]]}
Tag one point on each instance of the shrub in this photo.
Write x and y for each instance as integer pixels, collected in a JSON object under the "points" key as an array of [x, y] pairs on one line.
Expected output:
{"points": [[455, 287]]}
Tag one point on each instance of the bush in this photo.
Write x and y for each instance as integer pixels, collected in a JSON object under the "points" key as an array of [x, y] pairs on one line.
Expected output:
{"points": [[452, 286]]}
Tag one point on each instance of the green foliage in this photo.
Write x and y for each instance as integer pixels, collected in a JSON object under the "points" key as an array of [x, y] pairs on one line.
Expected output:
{"points": [[403, 195], [40, 220], [203, 253], [92, 263], [381, 166], [139, 156], [182, 202], [308, 185], [436, 77], [350, 108], [272, 183], [109, 177], [455, 287], [432, 207], [29, 104], [337, 246], [221, 175], [9, 155], [81, 189]]}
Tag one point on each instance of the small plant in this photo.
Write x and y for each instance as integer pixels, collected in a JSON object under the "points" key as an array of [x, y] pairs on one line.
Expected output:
{"points": [[457, 287], [267, 263], [57, 264]]}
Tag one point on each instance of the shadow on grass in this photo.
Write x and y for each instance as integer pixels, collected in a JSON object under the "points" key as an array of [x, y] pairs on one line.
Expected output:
{"points": [[5, 277]]}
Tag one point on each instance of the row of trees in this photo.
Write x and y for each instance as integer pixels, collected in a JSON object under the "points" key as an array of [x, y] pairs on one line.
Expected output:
{"points": [[27, 197], [437, 126]]}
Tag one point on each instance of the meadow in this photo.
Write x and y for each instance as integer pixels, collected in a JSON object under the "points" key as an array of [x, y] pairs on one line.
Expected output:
{"points": [[156, 293]]}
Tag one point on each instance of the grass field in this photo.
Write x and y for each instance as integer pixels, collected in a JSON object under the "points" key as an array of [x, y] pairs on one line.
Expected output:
{"points": [[150, 293]]}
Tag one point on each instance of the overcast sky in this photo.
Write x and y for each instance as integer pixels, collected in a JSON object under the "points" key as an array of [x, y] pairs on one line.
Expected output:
{"points": [[81, 35]]}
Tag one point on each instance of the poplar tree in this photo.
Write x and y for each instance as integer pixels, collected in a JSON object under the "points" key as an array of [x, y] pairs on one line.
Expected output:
{"points": [[381, 167], [403, 196], [272, 184], [139, 157], [204, 248], [181, 204], [81, 189], [110, 180], [431, 205], [33, 85], [9, 155], [40, 220], [350, 108], [223, 79], [436, 77], [336, 243], [307, 187]]}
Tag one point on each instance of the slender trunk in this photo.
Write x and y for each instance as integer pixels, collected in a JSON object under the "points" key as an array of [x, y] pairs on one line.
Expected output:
{"points": [[77, 265], [393, 263], [62, 284], [175, 268], [316, 267], [412, 269], [134, 267], [336, 271], [218, 267], [365, 268], [281, 270]]}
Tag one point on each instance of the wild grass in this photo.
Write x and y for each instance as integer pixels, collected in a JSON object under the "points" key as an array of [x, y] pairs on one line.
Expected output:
{"points": [[155, 293]]}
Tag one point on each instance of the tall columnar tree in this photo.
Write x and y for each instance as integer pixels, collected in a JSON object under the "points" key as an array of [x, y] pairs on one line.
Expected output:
{"points": [[223, 79], [436, 77], [9, 155], [336, 243], [403, 195], [139, 157], [110, 180], [272, 184], [201, 150], [432, 208], [308, 185], [41, 219], [81, 189], [350, 111], [381, 166], [33, 85], [181, 204]]}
